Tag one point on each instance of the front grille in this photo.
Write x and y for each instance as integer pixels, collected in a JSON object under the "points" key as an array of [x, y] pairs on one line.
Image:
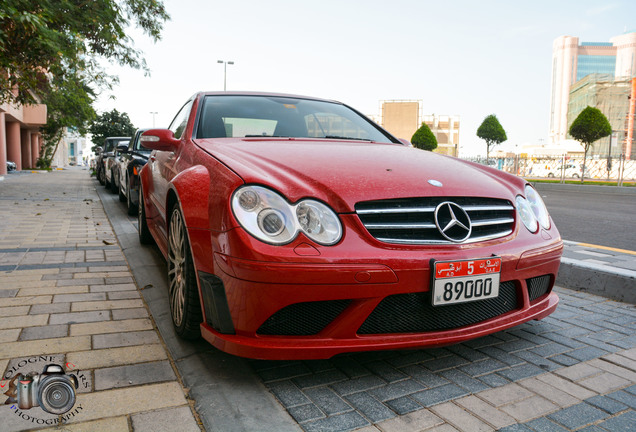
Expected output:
{"points": [[303, 319], [413, 313], [412, 220], [538, 286]]}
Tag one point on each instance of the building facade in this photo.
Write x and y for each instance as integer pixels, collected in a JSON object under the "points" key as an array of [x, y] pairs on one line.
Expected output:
{"points": [[446, 130], [612, 97], [20, 139], [573, 61], [403, 118]]}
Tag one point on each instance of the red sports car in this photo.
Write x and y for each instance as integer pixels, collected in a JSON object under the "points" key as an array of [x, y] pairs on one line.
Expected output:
{"points": [[296, 228]]}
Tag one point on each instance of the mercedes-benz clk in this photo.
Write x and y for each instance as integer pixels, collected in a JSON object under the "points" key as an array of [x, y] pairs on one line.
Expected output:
{"points": [[296, 228]]}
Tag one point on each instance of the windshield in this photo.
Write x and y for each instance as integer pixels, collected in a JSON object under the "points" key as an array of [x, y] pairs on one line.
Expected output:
{"points": [[271, 116], [137, 146], [112, 143]]}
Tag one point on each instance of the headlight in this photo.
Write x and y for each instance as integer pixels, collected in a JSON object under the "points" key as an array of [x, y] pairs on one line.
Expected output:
{"points": [[538, 207], [526, 214], [269, 217]]}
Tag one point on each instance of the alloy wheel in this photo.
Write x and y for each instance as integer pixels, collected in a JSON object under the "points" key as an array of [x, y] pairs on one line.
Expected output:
{"points": [[177, 269]]}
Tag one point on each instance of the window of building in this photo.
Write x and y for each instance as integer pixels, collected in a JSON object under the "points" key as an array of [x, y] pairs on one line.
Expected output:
{"points": [[589, 64]]}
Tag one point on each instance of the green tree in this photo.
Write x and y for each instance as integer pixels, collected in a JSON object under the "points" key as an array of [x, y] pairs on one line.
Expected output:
{"points": [[492, 132], [590, 125], [109, 124], [50, 38], [424, 139], [53, 52]]}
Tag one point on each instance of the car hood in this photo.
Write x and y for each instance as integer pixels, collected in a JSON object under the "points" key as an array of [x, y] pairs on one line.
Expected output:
{"points": [[342, 173]]}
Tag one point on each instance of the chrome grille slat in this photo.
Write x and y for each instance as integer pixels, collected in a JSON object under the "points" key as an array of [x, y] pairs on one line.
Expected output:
{"points": [[399, 210], [488, 208], [401, 226], [470, 240], [493, 222], [411, 221]]}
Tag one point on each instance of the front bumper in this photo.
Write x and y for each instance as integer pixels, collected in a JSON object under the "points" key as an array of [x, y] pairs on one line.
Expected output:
{"points": [[347, 298]]}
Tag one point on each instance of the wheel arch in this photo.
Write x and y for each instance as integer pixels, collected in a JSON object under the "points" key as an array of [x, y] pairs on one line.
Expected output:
{"points": [[188, 188]]}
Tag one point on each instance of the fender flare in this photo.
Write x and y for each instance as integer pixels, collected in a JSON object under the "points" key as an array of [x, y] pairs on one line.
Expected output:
{"points": [[187, 188]]}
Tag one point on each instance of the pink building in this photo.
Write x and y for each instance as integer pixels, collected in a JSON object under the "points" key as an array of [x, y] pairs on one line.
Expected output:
{"points": [[572, 61], [20, 139]]}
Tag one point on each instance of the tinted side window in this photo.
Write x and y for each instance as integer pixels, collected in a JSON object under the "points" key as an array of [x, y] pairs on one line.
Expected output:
{"points": [[180, 121]]}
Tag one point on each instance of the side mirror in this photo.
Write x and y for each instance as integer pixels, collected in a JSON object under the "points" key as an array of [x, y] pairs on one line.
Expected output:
{"points": [[122, 148], [405, 142], [159, 139]]}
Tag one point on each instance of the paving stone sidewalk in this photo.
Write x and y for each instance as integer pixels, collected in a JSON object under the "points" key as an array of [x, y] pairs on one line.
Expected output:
{"points": [[67, 296], [575, 370]]}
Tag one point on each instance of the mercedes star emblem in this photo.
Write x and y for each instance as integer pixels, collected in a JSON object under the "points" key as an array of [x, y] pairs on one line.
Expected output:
{"points": [[453, 222]]}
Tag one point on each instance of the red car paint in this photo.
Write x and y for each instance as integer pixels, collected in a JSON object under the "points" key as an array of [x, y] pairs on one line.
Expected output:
{"points": [[261, 279]]}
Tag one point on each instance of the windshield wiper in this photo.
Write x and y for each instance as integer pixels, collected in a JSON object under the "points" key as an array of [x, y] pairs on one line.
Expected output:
{"points": [[347, 138], [266, 136]]}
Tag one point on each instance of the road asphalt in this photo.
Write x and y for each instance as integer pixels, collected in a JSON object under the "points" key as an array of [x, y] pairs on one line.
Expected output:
{"points": [[77, 289]]}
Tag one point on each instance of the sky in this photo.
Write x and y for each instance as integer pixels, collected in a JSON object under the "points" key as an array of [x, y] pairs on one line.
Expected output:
{"points": [[466, 58]]}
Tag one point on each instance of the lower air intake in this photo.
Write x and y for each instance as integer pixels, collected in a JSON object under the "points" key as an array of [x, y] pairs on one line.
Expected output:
{"points": [[413, 313]]}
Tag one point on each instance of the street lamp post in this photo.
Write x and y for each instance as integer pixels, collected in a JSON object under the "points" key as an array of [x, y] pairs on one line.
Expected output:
{"points": [[153, 117], [225, 63]]}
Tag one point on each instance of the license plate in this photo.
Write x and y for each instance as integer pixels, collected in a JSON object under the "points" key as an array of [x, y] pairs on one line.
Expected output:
{"points": [[465, 280]]}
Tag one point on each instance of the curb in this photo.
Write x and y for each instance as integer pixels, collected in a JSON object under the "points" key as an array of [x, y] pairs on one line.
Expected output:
{"points": [[595, 280]]}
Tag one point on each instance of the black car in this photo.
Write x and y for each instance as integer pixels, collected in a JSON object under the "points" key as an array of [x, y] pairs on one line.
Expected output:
{"points": [[105, 152], [130, 161]]}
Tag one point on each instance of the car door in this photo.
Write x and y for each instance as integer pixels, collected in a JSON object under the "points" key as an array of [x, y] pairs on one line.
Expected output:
{"points": [[162, 169]]}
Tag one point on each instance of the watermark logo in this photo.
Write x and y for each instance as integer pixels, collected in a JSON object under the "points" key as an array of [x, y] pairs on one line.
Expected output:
{"points": [[48, 387]]}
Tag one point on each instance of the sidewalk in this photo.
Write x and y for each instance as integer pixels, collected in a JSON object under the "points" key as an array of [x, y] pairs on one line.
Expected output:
{"points": [[67, 296]]}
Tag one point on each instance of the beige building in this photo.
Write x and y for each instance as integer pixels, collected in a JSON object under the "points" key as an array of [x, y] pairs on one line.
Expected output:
{"points": [[446, 130], [20, 139], [403, 118]]}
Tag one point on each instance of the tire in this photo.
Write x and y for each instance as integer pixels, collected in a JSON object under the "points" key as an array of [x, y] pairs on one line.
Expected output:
{"points": [[183, 294], [144, 233], [106, 182], [113, 182], [122, 197], [100, 177], [132, 208]]}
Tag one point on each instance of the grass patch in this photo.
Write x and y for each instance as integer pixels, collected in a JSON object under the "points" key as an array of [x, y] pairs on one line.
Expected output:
{"points": [[586, 182]]}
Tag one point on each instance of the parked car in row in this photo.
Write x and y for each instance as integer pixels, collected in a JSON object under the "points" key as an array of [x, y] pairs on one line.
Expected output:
{"points": [[11, 166], [296, 228], [111, 166], [131, 159], [103, 154]]}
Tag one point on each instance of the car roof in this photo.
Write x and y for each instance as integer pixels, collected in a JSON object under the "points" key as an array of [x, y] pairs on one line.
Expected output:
{"points": [[251, 93]]}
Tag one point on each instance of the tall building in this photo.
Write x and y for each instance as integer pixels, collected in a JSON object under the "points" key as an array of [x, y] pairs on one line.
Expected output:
{"points": [[573, 61]]}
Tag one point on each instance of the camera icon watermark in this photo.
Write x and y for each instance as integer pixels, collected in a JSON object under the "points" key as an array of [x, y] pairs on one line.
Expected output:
{"points": [[53, 389]]}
